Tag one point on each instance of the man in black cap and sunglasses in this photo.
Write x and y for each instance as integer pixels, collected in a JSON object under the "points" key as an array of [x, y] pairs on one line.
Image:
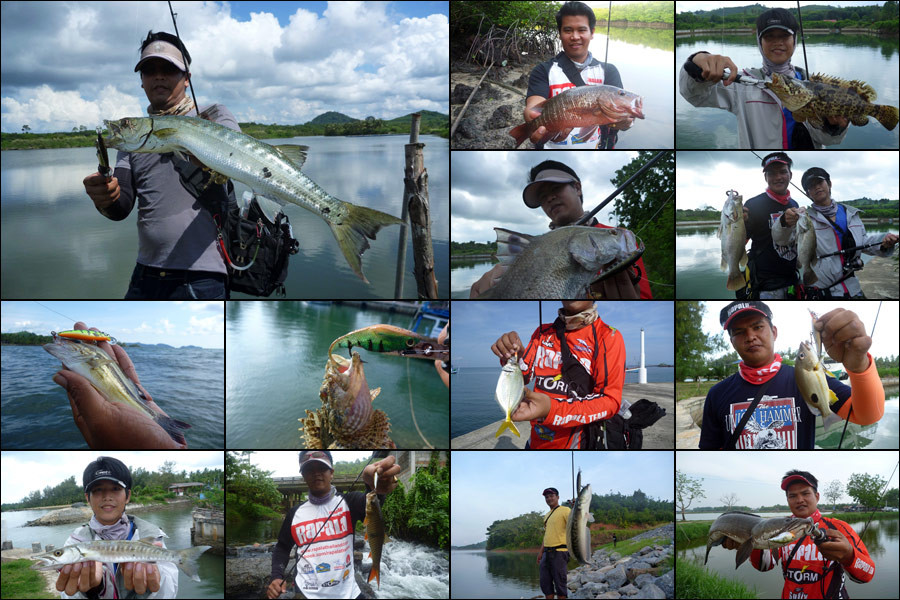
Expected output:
{"points": [[840, 239], [780, 417], [322, 529]]}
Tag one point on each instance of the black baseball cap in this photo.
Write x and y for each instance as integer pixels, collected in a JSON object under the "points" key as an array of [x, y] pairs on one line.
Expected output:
{"points": [[106, 468], [550, 491], [776, 157], [742, 307], [814, 173], [776, 18]]}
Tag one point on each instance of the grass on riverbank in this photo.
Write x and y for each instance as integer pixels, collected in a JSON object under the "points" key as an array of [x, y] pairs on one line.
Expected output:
{"points": [[21, 581], [627, 547], [689, 389], [694, 581]]}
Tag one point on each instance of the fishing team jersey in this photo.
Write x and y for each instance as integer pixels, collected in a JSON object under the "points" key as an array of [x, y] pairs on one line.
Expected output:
{"points": [[548, 80], [811, 575], [775, 265], [601, 349], [326, 569]]}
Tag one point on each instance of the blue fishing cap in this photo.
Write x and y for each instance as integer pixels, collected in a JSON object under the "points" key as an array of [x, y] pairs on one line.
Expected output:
{"points": [[106, 468]]}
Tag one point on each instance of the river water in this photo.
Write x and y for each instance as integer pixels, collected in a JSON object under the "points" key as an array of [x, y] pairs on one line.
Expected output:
{"points": [[55, 244], [869, 58], [481, 574], [175, 522]]}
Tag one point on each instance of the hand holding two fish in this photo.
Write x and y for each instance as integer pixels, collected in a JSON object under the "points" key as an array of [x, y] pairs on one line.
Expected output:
{"points": [[387, 475], [79, 577], [844, 339], [534, 405], [507, 345]]}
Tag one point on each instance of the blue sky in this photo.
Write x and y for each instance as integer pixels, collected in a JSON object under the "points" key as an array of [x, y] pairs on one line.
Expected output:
{"points": [[488, 486], [268, 62], [175, 323], [477, 325]]}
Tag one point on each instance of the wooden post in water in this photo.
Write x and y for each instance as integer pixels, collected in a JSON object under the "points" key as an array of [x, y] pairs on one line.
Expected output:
{"points": [[416, 206]]}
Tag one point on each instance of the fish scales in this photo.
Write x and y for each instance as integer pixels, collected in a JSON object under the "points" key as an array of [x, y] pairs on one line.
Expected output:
{"points": [[578, 535], [264, 168], [754, 532], [811, 378], [375, 535], [509, 393], [733, 234], [825, 96], [120, 551], [806, 249]]}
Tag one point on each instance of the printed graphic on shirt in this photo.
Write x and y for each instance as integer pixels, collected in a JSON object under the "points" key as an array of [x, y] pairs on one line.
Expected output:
{"points": [[773, 425], [785, 252]]}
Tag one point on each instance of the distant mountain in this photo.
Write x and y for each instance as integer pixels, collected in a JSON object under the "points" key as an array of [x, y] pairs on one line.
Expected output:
{"points": [[331, 117], [430, 119]]}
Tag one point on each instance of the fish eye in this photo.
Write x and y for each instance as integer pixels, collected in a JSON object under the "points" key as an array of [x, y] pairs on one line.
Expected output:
{"points": [[57, 553], [410, 342]]}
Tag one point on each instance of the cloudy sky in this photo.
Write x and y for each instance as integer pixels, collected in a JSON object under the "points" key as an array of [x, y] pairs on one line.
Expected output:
{"points": [[175, 323], [24, 472], [756, 478], [703, 177], [794, 323], [269, 62], [488, 486], [486, 189]]}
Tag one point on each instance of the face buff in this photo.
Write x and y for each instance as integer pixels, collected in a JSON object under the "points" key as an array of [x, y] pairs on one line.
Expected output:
{"points": [[322, 499], [579, 320], [760, 375], [116, 531]]}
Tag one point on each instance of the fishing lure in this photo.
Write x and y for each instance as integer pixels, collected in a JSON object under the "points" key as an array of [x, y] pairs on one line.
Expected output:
{"points": [[388, 339], [84, 335]]}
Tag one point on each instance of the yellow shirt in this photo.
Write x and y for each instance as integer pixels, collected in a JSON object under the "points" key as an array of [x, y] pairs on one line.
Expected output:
{"points": [[555, 529]]}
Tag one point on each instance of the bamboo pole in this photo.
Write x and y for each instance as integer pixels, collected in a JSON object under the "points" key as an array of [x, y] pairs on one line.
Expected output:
{"points": [[469, 99]]}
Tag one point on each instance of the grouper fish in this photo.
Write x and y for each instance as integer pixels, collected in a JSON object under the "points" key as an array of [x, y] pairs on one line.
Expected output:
{"points": [[754, 532], [270, 171], [587, 107]]}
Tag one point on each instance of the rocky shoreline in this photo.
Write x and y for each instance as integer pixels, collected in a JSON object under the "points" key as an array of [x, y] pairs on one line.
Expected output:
{"points": [[84, 513]]}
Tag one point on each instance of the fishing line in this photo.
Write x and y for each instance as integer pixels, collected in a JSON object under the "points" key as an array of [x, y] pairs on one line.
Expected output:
{"points": [[53, 311], [802, 39], [411, 409], [879, 501], [850, 412], [791, 182], [608, 19], [183, 58]]}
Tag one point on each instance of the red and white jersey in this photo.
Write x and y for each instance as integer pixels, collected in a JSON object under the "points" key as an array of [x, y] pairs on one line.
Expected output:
{"points": [[326, 569]]}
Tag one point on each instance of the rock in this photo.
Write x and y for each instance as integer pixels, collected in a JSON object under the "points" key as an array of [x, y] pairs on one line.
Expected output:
{"points": [[610, 594], [616, 577], [651, 591], [645, 550], [501, 117], [655, 559], [460, 93], [595, 588], [615, 556], [594, 576], [666, 583], [466, 129], [629, 589], [35, 547], [643, 579]]}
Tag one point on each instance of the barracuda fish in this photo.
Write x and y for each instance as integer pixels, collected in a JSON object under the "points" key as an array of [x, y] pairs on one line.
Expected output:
{"points": [[510, 391], [388, 339], [824, 96], [270, 171], [806, 249], [107, 377], [587, 107], [375, 533], [733, 234], [578, 536], [810, 374], [563, 263], [753, 532], [121, 551]]}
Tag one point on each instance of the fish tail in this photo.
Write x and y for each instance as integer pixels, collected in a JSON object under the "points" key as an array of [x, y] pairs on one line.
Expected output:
{"points": [[187, 560], [375, 573], [520, 132], [830, 420], [173, 427], [507, 424], [886, 115], [735, 281], [351, 232]]}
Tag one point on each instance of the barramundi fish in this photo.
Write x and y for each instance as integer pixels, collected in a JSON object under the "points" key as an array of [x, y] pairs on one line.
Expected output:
{"points": [[824, 96], [754, 532], [806, 249], [733, 235], [578, 535], [587, 107], [509, 393], [105, 374], [562, 263], [270, 171], [121, 551]]}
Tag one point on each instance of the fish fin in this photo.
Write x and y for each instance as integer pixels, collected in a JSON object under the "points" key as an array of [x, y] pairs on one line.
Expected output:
{"points": [[294, 153], [736, 281], [886, 115], [148, 540], [374, 573], [859, 121], [510, 244], [351, 232], [585, 133], [832, 397], [375, 392], [173, 427], [809, 276], [187, 560], [812, 408], [743, 553], [744, 260], [831, 420], [520, 132], [507, 424]]}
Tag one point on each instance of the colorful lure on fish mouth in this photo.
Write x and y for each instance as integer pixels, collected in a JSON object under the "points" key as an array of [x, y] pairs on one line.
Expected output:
{"points": [[389, 339]]}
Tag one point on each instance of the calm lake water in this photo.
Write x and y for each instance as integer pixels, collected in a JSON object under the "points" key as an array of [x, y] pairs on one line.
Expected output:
{"points": [[175, 522], [464, 273], [880, 539], [56, 245], [480, 574], [698, 254], [187, 383], [275, 373], [474, 405], [868, 58]]}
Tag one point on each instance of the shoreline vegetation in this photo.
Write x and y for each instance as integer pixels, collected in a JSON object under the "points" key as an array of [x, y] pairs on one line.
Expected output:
{"points": [[692, 531], [326, 124], [881, 19]]}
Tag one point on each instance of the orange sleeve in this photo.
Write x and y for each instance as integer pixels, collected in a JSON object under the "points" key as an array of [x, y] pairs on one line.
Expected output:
{"points": [[867, 398]]}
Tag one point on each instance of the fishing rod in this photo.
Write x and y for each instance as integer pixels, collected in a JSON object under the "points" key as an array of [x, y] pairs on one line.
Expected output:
{"points": [[851, 249], [866, 526], [791, 182], [376, 454], [588, 216], [184, 58], [850, 412], [608, 19], [802, 40]]}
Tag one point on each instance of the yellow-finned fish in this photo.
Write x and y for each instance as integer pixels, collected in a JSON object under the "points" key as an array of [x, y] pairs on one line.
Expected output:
{"points": [[270, 171], [375, 533], [810, 374], [510, 391], [105, 374]]}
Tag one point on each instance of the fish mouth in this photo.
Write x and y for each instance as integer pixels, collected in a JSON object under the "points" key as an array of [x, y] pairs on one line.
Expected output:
{"points": [[637, 108]]}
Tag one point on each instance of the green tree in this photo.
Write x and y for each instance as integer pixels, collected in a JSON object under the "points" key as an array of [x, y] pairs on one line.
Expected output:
{"points": [[866, 489], [687, 488], [691, 342]]}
